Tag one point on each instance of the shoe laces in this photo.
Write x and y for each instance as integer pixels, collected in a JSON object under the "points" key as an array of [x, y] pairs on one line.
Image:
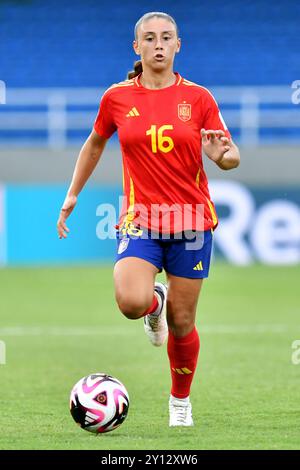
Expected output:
{"points": [[154, 321], [181, 411]]}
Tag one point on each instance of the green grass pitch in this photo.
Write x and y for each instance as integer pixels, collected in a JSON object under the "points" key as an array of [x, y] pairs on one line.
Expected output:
{"points": [[59, 324]]}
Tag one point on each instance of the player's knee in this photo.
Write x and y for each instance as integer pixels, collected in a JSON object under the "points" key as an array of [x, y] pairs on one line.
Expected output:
{"points": [[181, 324], [132, 307]]}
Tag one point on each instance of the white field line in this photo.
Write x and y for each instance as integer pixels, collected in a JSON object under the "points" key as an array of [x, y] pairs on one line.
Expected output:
{"points": [[233, 329]]}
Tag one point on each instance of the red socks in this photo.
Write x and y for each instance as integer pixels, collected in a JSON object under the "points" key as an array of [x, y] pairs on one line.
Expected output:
{"points": [[152, 307], [183, 355]]}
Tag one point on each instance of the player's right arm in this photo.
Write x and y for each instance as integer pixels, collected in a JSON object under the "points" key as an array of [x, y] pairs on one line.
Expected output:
{"points": [[87, 160]]}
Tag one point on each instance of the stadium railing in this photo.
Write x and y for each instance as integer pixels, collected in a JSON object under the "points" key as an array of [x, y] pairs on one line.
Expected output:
{"points": [[61, 117]]}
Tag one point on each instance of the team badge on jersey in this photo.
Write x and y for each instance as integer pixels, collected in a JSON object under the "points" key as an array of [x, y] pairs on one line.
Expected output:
{"points": [[184, 111], [123, 245]]}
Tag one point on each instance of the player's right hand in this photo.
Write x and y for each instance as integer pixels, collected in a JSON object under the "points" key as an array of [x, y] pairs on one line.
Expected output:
{"points": [[68, 206]]}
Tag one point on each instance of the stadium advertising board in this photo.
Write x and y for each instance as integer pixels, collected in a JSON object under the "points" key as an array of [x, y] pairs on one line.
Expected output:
{"points": [[255, 225]]}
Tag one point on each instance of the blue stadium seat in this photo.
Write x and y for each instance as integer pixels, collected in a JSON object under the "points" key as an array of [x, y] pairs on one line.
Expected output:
{"points": [[88, 43]]}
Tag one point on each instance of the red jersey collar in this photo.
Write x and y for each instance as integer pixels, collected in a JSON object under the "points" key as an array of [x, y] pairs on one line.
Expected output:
{"points": [[137, 81]]}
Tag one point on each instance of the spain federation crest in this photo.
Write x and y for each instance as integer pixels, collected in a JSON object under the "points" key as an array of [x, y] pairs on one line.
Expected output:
{"points": [[184, 111], [123, 245]]}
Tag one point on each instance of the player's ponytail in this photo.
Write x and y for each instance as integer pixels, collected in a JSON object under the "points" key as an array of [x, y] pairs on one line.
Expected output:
{"points": [[137, 69]]}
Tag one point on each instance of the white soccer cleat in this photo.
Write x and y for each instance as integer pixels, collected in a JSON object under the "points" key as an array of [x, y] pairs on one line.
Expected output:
{"points": [[180, 411], [155, 324]]}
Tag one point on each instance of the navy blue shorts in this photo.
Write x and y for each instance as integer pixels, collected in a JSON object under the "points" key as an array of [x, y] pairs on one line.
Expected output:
{"points": [[183, 257]]}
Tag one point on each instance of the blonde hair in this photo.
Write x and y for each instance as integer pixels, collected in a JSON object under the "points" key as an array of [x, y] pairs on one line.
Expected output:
{"points": [[137, 66]]}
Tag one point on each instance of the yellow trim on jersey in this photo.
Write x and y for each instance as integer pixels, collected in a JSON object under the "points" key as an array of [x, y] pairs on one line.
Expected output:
{"points": [[127, 225], [189, 83], [128, 80], [137, 82], [131, 193], [212, 211], [119, 85], [130, 210], [179, 81], [198, 177]]}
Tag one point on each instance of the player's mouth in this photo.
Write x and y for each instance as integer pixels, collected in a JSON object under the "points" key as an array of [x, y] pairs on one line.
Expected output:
{"points": [[159, 57]]}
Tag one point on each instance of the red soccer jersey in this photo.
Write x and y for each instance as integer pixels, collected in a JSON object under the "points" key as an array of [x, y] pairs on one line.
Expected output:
{"points": [[164, 183]]}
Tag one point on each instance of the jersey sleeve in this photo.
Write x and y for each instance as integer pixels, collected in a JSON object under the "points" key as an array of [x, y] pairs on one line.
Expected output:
{"points": [[212, 117], [104, 123]]}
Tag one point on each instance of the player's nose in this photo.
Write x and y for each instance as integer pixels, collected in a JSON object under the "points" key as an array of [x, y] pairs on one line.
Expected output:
{"points": [[158, 45]]}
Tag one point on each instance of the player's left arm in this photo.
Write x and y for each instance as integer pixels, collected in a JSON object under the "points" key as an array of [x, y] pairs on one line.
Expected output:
{"points": [[220, 148]]}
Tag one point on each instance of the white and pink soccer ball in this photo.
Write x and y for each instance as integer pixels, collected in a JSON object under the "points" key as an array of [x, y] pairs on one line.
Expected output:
{"points": [[99, 403]]}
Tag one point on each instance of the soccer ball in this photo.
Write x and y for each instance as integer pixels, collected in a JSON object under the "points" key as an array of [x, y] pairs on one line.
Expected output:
{"points": [[99, 403]]}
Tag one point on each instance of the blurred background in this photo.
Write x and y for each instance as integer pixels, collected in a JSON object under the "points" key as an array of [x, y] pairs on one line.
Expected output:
{"points": [[57, 58]]}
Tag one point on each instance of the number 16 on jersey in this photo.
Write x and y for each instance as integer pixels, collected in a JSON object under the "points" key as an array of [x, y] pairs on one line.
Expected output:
{"points": [[163, 142]]}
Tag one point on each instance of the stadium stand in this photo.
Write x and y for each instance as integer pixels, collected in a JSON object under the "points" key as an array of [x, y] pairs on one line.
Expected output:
{"points": [[88, 43]]}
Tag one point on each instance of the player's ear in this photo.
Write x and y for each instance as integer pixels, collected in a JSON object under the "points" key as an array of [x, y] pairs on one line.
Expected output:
{"points": [[178, 45], [136, 47]]}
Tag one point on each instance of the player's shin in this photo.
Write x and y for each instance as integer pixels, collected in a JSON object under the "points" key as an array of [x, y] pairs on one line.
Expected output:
{"points": [[183, 356]]}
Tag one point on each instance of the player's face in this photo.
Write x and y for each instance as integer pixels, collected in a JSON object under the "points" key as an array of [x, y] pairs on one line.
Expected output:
{"points": [[157, 43]]}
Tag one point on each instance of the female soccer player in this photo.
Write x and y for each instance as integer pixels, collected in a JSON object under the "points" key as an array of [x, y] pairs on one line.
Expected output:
{"points": [[163, 122]]}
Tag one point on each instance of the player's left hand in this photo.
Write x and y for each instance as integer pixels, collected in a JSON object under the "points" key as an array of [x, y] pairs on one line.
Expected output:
{"points": [[215, 144]]}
